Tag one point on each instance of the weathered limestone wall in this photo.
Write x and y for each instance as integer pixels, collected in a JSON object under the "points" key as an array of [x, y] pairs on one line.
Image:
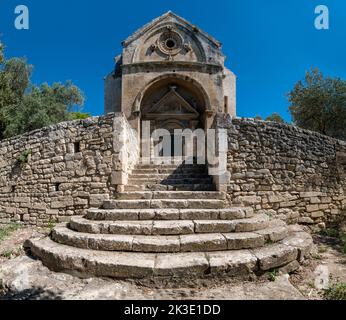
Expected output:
{"points": [[292, 173], [55, 172]]}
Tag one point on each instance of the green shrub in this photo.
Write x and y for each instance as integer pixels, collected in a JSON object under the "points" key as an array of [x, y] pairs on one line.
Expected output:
{"points": [[333, 233], [24, 157], [273, 275], [336, 291]]}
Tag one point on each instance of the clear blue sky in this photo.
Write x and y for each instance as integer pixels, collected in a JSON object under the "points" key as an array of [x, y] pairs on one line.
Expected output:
{"points": [[268, 43]]}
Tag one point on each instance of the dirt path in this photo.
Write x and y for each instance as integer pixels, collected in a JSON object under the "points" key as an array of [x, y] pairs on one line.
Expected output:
{"points": [[12, 246]]}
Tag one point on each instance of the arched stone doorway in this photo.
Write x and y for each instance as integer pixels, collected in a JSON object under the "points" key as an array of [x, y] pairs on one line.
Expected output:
{"points": [[174, 103]]}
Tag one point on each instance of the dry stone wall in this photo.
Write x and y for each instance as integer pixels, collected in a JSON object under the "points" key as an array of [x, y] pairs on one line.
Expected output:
{"points": [[285, 171], [59, 171]]}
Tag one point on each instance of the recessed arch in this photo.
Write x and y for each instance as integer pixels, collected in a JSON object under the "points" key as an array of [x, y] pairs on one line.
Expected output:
{"points": [[173, 78]]}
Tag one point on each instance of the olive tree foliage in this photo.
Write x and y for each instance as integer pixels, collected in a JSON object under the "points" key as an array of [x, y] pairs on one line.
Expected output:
{"points": [[318, 103], [25, 106], [275, 117]]}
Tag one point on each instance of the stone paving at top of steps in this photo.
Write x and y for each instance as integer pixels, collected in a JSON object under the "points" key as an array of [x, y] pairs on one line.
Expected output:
{"points": [[169, 214], [165, 244], [177, 187], [161, 195], [86, 262], [164, 204], [169, 227]]}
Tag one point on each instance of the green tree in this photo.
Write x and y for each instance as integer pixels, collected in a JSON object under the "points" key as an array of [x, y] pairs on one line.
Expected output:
{"points": [[275, 117], [318, 103], [79, 115], [25, 107]]}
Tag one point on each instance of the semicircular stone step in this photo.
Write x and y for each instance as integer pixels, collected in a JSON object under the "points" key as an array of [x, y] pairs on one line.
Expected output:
{"points": [[200, 171], [169, 227], [171, 181], [170, 166], [147, 227], [169, 176], [178, 187], [161, 243], [158, 195], [86, 262], [164, 204], [168, 243], [169, 214]]}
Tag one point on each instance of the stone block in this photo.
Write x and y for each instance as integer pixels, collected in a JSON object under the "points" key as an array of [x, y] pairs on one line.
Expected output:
{"points": [[119, 178], [274, 256], [312, 208]]}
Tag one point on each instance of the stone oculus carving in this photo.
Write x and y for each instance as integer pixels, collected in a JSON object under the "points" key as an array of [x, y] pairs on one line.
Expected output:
{"points": [[171, 43]]}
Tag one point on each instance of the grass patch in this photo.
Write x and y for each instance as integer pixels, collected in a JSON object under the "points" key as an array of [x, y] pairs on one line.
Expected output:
{"points": [[330, 232], [342, 238], [336, 234], [10, 254], [51, 224], [24, 157], [337, 291], [322, 249], [317, 256], [7, 230], [270, 215]]}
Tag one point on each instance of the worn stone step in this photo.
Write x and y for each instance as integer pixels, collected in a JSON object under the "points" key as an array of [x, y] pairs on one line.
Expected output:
{"points": [[141, 195], [174, 176], [157, 243], [168, 227], [258, 222], [169, 214], [170, 166], [169, 181], [276, 230], [115, 242], [160, 187], [86, 262], [164, 204], [146, 227], [171, 171]]}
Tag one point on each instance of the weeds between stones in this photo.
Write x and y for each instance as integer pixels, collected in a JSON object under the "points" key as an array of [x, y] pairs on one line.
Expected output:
{"points": [[10, 254], [337, 291], [273, 275]]}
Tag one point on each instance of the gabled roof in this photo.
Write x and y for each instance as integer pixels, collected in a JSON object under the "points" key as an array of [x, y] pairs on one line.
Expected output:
{"points": [[167, 16]]}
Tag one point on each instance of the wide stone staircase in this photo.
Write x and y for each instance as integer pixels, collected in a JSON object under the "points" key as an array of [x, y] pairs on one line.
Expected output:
{"points": [[170, 222]]}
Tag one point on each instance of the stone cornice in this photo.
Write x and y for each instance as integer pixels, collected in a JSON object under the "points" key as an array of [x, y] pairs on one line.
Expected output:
{"points": [[171, 66]]}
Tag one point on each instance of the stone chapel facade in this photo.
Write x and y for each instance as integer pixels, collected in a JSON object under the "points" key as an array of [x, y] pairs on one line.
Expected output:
{"points": [[172, 74]]}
